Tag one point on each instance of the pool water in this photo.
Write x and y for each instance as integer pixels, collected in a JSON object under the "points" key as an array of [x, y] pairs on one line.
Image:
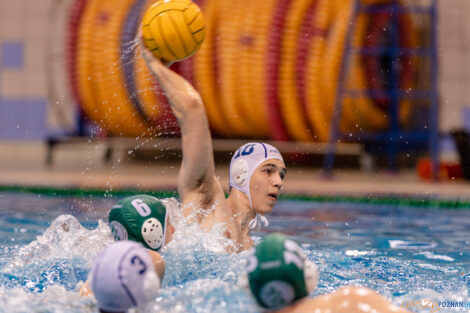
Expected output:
{"points": [[47, 246]]}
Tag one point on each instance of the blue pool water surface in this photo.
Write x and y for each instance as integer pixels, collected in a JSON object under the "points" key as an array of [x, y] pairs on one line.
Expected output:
{"points": [[47, 246]]}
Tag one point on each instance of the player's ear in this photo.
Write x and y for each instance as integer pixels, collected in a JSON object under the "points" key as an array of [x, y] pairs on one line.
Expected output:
{"points": [[158, 262]]}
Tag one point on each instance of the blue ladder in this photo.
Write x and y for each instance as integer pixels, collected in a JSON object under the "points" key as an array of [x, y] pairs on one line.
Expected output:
{"points": [[394, 135]]}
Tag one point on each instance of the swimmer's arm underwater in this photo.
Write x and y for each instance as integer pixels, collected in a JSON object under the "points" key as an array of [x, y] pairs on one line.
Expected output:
{"points": [[197, 175]]}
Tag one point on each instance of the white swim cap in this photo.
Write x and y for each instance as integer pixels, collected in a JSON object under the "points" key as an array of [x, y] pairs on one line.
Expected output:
{"points": [[123, 276], [244, 162]]}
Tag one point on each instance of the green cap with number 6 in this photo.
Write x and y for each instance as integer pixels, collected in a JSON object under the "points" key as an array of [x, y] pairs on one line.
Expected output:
{"points": [[278, 272], [140, 218]]}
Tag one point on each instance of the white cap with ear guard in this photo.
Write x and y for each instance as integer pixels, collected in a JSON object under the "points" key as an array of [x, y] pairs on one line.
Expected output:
{"points": [[244, 162], [123, 276]]}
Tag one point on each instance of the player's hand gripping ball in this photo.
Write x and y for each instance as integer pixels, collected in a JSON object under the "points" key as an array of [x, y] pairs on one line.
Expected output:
{"points": [[173, 29]]}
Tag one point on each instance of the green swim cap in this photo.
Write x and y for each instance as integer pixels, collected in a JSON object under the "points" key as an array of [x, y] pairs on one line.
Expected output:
{"points": [[277, 272], [140, 218]]}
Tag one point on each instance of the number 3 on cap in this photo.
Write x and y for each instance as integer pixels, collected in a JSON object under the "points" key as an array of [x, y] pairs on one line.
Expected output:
{"points": [[142, 208], [136, 259]]}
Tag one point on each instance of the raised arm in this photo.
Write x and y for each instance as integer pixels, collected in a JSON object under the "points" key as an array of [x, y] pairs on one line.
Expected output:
{"points": [[197, 169]]}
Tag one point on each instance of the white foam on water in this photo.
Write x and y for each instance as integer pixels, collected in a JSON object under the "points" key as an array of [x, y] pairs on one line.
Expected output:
{"points": [[433, 256], [204, 295], [189, 234], [357, 253], [200, 276], [410, 245], [65, 238], [195, 254], [53, 299]]}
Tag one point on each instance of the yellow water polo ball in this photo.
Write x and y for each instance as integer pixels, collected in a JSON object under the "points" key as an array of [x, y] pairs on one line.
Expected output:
{"points": [[173, 29]]}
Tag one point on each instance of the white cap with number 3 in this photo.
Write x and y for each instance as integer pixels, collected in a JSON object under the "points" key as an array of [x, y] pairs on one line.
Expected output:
{"points": [[123, 276]]}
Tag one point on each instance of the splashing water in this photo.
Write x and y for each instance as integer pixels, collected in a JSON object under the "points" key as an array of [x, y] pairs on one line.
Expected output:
{"points": [[46, 274], [405, 254]]}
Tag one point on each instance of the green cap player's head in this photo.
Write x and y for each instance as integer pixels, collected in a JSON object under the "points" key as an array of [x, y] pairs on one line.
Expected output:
{"points": [[140, 218], [279, 273]]}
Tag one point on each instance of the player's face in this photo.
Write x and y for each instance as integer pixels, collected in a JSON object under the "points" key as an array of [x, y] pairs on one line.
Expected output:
{"points": [[265, 185]]}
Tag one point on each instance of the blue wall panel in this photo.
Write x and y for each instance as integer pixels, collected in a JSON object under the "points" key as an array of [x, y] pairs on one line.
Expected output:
{"points": [[23, 119], [12, 55]]}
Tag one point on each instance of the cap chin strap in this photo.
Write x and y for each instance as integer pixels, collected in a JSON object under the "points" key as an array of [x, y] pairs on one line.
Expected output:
{"points": [[257, 221]]}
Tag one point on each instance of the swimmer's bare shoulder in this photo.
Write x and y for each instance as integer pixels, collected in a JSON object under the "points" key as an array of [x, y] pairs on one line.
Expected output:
{"points": [[351, 299]]}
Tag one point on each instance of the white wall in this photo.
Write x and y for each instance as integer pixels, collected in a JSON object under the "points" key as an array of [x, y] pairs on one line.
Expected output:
{"points": [[454, 53], [25, 106]]}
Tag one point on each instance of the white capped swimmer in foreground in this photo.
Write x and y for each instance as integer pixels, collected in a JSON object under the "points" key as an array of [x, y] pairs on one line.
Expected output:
{"points": [[124, 275], [280, 278], [257, 170]]}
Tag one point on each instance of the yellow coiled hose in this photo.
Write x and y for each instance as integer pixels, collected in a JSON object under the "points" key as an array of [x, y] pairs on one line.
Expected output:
{"points": [[321, 90], [204, 72], [366, 114], [292, 108], [231, 13], [118, 114], [313, 75], [85, 76], [258, 65], [146, 84], [231, 70], [256, 115]]}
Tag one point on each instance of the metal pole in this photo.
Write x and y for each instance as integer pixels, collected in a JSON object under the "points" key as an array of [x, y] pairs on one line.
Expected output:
{"points": [[434, 112]]}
